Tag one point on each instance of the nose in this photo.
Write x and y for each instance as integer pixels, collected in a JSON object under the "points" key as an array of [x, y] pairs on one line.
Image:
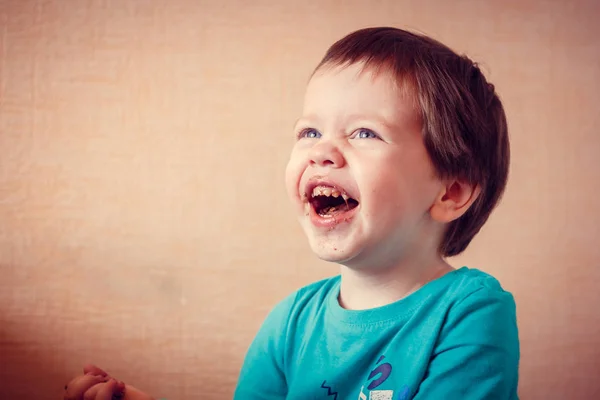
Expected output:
{"points": [[326, 154]]}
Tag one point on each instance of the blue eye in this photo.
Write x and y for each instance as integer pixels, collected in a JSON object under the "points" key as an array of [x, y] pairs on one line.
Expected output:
{"points": [[366, 134], [309, 133]]}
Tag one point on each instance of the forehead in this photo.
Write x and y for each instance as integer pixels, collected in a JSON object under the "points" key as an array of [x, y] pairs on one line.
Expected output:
{"points": [[356, 90]]}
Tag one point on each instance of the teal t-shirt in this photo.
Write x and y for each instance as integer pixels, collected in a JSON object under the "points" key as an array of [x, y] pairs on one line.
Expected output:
{"points": [[454, 338]]}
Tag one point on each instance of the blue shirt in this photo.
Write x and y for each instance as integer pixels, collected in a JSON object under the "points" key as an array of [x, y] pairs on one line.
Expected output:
{"points": [[454, 338]]}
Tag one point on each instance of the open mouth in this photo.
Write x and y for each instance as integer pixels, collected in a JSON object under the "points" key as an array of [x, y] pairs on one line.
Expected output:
{"points": [[329, 202]]}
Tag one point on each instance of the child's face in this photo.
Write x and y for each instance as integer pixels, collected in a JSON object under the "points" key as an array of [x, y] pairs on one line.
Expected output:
{"points": [[360, 140]]}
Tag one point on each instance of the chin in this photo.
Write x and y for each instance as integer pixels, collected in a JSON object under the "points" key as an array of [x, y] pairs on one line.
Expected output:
{"points": [[330, 256], [334, 251]]}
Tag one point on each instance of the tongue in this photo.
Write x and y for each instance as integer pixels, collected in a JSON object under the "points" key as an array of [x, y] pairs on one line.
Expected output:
{"points": [[333, 211]]}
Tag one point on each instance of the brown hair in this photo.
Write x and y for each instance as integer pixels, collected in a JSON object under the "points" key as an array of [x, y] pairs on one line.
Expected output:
{"points": [[464, 124]]}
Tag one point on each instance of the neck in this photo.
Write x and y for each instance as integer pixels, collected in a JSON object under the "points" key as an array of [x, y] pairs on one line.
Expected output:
{"points": [[365, 288]]}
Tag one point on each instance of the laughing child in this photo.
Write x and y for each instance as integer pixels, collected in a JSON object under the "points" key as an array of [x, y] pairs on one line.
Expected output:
{"points": [[401, 154]]}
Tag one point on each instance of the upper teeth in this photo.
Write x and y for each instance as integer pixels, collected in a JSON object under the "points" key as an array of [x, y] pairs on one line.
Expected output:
{"points": [[328, 191]]}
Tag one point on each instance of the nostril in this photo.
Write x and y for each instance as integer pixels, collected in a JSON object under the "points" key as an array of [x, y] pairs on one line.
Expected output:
{"points": [[321, 162]]}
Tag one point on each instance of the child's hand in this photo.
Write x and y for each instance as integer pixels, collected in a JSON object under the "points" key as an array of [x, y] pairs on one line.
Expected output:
{"points": [[132, 393], [94, 384]]}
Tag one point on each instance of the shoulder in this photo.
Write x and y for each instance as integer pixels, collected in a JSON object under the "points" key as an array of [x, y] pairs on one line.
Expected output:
{"points": [[482, 310], [316, 291], [471, 284], [472, 279], [311, 296], [477, 348]]}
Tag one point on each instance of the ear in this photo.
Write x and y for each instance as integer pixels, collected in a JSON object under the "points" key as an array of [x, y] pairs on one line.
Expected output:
{"points": [[454, 200]]}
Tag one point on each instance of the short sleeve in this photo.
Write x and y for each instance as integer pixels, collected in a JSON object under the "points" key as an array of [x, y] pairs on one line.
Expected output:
{"points": [[262, 375], [477, 354]]}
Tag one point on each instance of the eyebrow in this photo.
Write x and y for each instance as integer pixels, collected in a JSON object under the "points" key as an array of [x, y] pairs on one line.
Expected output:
{"points": [[378, 119]]}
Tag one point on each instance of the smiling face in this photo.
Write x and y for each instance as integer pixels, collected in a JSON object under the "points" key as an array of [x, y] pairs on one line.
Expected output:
{"points": [[359, 172]]}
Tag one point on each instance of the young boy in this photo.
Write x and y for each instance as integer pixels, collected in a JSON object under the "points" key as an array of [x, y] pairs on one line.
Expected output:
{"points": [[402, 153]]}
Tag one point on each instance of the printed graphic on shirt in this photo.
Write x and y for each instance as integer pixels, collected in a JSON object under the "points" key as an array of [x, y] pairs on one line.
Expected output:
{"points": [[377, 377], [330, 392]]}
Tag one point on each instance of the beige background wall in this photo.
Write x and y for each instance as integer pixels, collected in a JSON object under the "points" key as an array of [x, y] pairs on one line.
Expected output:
{"points": [[143, 220]]}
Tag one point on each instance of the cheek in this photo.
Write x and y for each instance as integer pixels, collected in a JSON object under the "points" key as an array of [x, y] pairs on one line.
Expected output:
{"points": [[293, 173], [395, 188], [382, 194]]}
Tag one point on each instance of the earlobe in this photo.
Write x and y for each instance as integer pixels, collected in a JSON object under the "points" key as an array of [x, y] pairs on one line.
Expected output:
{"points": [[453, 200]]}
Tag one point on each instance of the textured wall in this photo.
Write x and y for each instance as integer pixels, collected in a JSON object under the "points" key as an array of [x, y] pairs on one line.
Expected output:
{"points": [[143, 219]]}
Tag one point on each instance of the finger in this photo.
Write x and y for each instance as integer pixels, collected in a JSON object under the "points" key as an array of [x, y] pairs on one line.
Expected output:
{"points": [[93, 370], [91, 393], [108, 390], [78, 386]]}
